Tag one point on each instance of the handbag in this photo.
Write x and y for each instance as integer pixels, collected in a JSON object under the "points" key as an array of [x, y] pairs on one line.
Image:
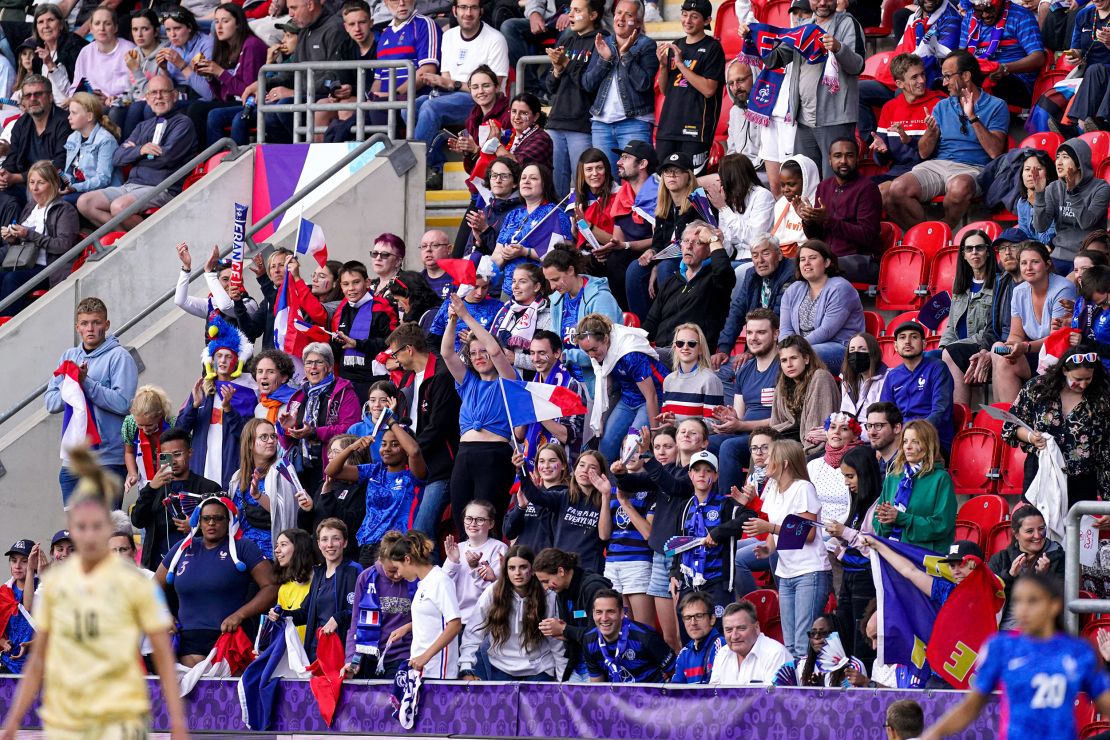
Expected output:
{"points": [[21, 256]]}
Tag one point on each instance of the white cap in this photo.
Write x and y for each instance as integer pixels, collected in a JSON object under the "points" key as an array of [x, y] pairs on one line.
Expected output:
{"points": [[704, 456]]}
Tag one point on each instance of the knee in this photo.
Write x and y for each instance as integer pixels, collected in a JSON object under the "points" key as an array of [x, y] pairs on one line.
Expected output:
{"points": [[899, 190], [960, 189]]}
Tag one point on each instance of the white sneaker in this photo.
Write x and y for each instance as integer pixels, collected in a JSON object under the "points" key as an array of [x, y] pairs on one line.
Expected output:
{"points": [[651, 13]]}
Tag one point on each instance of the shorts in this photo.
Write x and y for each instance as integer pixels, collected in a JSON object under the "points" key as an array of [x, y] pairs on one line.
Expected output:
{"points": [[196, 642], [136, 191], [660, 584], [630, 576], [933, 176], [776, 143], [962, 352], [130, 729]]}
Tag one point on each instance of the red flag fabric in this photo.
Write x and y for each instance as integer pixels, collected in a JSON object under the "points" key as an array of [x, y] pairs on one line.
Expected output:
{"points": [[463, 272], [237, 649], [8, 607], [1055, 348], [327, 673], [967, 619]]}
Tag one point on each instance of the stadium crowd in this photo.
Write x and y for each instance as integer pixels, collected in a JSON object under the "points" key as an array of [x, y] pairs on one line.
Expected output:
{"points": [[703, 298]]}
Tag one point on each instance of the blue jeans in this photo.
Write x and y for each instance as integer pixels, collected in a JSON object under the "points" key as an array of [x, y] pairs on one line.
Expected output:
{"points": [[636, 281], [1062, 267], [747, 563], [432, 114], [621, 418], [733, 456], [832, 354], [498, 675], [68, 481], [567, 148], [432, 505], [801, 600], [279, 126], [610, 136], [222, 118], [13, 280]]}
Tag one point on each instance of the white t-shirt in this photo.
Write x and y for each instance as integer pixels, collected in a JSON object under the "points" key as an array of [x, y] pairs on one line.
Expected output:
{"points": [[433, 606], [461, 57], [760, 667], [36, 222], [799, 498]]}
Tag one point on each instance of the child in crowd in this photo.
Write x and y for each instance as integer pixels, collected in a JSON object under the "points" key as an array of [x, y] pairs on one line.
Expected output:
{"points": [[625, 523], [151, 414], [294, 559], [381, 621], [482, 554], [382, 395]]}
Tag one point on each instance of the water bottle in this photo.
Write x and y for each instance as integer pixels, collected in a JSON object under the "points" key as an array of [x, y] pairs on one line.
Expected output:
{"points": [[631, 446], [250, 108]]}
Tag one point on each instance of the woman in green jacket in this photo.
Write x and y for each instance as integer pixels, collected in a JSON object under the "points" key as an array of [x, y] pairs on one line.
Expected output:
{"points": [[918, 502]]}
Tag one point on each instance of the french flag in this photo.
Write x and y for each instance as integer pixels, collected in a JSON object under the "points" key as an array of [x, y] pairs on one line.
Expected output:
{"points": [[529, 403], [231, 654], [310, 241], [544, 235], [79, 420], [259, 687], [311, 332], [285, 333]]}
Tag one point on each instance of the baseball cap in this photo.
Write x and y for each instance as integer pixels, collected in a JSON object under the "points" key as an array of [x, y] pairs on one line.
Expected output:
{"points": [[699, 6], [681, 160], [1010, 236], [802, 5], [289, 27], [21, 547], [640, 150], [704, 456], [60, 536], [910, 326], [961, 549]]}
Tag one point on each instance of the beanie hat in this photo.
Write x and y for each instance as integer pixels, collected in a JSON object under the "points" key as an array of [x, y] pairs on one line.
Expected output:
{"points": [[233, 534], [223, 335]]}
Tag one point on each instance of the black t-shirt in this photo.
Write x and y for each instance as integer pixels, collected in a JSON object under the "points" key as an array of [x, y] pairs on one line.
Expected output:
{"points": [[688, 115]]}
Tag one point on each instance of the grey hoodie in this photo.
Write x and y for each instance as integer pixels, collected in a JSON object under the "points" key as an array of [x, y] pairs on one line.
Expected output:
{"points": [[110, 387], [1075, 212]]}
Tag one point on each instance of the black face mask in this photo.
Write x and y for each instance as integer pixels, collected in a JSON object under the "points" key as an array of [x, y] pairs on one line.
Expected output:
{"points": [[860, 362]]}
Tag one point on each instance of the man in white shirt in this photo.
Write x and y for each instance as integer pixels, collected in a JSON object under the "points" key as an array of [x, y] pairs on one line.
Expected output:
{"points": [[465, 47], [743, 136], [752, 657]]}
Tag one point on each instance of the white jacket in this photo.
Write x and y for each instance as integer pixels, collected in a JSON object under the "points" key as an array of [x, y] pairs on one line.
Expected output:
{"points": [[511, 657], [741, 228]]}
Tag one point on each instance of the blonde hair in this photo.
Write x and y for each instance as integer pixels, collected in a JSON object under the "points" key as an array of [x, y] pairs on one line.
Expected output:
{"points": [[930, 443], [150, 399], [596, 325], [96, 484], [703, 345], [45, 169], [664, 202], [92, 104], [791, 455]]}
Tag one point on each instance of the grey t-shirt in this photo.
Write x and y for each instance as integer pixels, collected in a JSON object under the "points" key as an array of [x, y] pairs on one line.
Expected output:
{"points": [[809, 78]]}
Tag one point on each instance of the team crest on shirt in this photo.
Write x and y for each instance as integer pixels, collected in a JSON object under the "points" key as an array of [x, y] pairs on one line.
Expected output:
{"points": [[712, 515], [621, 518], [921, 382], [629, 654], [351, 599], [223, 554], [718, 611]]}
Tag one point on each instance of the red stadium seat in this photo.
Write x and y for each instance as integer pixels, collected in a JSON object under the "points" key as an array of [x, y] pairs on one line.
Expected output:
{"points": [[961, 416], [998, 539], [725, 26], [900, 318], [901, 275], [716, 154], [776, 13], [874, 63], [889, 235], [1091, 629], [983, 421], [1046, 80], [928, 236], [1103, 171], [1099, 141], [890, 356], [968, 531], [722, 122], [993, 230], [766, 602], [631, 319], [1092, 729], [1048, 142], [974, 465], [985, 511], [873, 323], [1011, 469], [773, 629], [942, 270]]}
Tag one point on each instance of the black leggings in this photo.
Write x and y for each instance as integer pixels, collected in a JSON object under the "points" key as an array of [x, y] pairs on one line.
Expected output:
{"points": [[483, 470], [856, 591]]}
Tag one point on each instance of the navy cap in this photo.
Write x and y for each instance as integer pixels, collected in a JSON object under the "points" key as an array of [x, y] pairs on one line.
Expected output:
{"points": [[61, 535], [679, 160], [1010, 236], [961, 549], [21, 547], [910, 326]]}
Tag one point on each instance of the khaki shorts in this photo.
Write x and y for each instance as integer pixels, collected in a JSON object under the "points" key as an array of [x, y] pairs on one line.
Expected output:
{"points": [[135, 729], [933, 176]]}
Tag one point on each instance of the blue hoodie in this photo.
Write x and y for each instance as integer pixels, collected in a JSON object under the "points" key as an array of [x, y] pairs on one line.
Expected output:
{"points": [[595, 298], [110, 385]]}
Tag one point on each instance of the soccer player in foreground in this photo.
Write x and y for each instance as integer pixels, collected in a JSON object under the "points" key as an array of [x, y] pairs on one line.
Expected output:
{"points": [[90, 614]]}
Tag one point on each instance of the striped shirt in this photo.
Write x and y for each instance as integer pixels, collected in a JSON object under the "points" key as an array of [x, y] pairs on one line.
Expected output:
{"points": [[416, 39], [692, 394], [626, 544]]}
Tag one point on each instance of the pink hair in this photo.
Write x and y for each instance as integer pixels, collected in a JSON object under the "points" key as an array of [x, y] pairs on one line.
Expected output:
{"points": [[394, 242]]}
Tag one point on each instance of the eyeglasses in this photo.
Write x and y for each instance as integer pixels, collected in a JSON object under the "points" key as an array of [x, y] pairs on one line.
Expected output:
{"points": [[759, 449], [817, 633], [976, 247], [875, 426], [315, 362], [267, 437], [468, 8], [963, 124], [688, 618], [946, 76], [683, 343], [1009, 248], [213, 519], [35, 93], [433, 246], [500, 176], [475, 520], [382, 255]]}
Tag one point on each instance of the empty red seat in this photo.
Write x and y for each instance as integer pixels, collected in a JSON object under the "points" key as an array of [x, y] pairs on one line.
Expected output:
{"points": [[1099, 141], [974, 465], [993, 230], [776, 13], [968, 531], [1047, 142], [889, 235], [998, 539], [873, 323], [1091, 629], [984, 511], [961, 416], [942, 270], [984, 421], [766, 603], [1011, 470], [929, 236], [725, 25], [874, 63], [901, 275]]}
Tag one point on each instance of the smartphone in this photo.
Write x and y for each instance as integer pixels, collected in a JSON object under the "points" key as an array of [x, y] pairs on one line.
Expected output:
{"points": [[449, 133], [164, 459], [1003, 350]]}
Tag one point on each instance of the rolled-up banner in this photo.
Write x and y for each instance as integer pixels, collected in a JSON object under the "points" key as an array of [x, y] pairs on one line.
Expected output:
{"points": [[237, 239]]}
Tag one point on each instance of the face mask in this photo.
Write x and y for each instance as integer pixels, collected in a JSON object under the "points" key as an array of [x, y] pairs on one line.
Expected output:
{"points": [[859, 361]]}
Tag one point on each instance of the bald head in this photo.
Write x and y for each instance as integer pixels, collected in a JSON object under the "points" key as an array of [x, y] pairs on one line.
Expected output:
{"points": [[434, 245], [739, 78]]}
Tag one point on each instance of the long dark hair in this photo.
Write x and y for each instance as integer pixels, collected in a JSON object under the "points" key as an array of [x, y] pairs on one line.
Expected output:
{"points": [[869, 484], [501, 606], [964, 274], [738, 177], [793, 390], [300, 565], [809, 675], [1046, 162], [850, 378], [582, 190], [1050, 384], [226, 53], [534, 105]]}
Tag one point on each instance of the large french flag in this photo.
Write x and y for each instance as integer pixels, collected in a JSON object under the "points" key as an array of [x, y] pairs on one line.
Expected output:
{"points": [[310, 241], [528, 403], [283, 658], [544, 235], [230, 655], [285, 333], [79, 419]]}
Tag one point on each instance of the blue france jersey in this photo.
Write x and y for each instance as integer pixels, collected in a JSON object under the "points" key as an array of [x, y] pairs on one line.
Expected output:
{"points": [[416, 39], [626, 544], [1040, 679]]}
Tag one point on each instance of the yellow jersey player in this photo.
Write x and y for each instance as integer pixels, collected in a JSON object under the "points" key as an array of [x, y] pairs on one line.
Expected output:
{"points": [[90, 614]]}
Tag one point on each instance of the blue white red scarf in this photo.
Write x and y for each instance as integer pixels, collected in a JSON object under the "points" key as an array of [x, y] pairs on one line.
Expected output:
{"points": [[903, 494], [975, 42], [693, 561], [761, 40], [616, 673]]}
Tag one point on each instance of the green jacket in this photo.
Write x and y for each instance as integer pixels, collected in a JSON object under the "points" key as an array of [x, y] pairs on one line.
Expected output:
{"points": [[929, 520]]}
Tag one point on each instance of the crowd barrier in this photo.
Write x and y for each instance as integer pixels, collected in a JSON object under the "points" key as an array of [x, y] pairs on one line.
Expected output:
{"points": [[484, 709]]}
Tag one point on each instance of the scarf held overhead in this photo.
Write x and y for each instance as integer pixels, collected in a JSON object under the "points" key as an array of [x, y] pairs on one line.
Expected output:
{"points": [[762, 39]]}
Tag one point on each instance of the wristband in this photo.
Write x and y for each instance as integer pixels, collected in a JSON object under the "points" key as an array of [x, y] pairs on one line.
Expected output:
{"points": [[973, 120]]}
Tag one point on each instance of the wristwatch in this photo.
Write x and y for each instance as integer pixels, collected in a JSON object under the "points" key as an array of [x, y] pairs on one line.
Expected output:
{"points": [[458, 85], [973, 120]]}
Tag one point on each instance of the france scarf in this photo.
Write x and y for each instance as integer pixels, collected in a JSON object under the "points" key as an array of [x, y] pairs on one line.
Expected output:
{"points": [[762, 40]]}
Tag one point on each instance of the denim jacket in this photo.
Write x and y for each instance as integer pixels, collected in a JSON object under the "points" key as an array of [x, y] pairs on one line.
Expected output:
{"points": [[93, 158], [635, 71]]}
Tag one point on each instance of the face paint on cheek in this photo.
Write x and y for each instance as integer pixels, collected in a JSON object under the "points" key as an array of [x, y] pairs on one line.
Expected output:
{"points": [[1075, 386]]}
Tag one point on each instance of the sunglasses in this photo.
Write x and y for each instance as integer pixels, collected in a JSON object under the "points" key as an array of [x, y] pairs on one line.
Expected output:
{"points": [[976, 247], [382, 255], [817, 633], [683, 344], [1085, 358]]}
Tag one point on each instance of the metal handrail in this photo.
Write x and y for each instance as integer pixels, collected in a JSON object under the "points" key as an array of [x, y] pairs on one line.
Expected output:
{"points": [[249, 246], [140, 205], [1072, 569], [541, 60], [305, 104]]}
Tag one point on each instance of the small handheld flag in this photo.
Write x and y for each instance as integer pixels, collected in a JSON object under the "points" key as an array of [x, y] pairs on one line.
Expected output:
{"points": [[528, 403], [310, 241], [682, 543]]}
